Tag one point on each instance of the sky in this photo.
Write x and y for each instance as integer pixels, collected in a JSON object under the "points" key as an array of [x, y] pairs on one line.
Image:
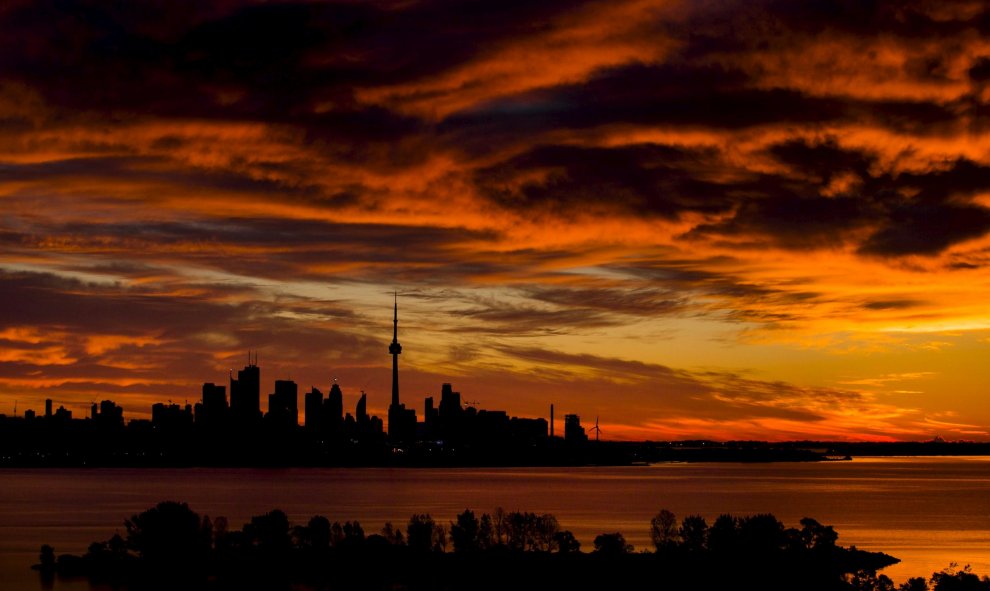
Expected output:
{"points": [[724, 219]]}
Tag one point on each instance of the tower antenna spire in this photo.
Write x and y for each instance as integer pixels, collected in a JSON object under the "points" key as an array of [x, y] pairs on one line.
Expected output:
{"points": [[395, 349]]}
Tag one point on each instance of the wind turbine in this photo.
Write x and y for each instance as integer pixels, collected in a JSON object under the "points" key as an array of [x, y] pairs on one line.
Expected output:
{"points": [[596, 429]]}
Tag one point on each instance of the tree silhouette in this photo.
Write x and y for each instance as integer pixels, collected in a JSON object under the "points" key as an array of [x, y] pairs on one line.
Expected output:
{"points": [[960, 580], [47, 558], [270, 532], [168, 537], [723, 535], [815, 535], [694, 533], [546, 527], [221, 535], [566, 542], [914, 584], [422, 534], [498, 521], [353, 535], [663, 530], [464, 532], [761, 533], [336, 534], [439, 538], [393, 535], [486, 532], [318, 532], [612, 544], [869, 581]]}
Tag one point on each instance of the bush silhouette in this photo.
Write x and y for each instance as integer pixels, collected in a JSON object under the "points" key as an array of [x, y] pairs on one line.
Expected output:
{"points": [[612, 544], [169, 538]]}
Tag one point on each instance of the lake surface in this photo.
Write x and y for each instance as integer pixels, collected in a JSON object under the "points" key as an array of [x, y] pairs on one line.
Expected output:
{"points": [[926, 511]]}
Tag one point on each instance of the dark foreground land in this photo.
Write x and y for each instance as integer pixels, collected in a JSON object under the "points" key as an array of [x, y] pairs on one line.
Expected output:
{"points": [[171, 547]]}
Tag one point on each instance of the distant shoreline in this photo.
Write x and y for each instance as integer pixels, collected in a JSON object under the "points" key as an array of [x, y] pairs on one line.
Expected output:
{"points": [[610, 453]]}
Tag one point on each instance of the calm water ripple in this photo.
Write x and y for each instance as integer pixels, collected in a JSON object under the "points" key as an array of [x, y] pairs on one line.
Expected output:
{"points": [[927, 511]]}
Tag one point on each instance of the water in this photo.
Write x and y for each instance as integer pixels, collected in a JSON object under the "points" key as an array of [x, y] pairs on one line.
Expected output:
{"points": [[927, 511]]}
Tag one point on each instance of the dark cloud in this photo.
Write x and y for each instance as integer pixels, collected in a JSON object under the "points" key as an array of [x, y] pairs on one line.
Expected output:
{"points": [[914, 212], [822, 160], [681, 95], [764, 24], [798, 208], [640, 179], [35, 299], [792, 221], [270, 248], [892, 304], [278, 59], [927, 229], [980, 70], [161, 171], [296, 64], [50, 302], [644, 94], [302, 65]]}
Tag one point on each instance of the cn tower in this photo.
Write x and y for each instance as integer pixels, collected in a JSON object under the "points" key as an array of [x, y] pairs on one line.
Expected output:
{"points": [[395, 349]]}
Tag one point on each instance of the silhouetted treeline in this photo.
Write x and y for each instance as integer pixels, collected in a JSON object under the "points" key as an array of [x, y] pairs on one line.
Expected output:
{"points": [[171, 546]]}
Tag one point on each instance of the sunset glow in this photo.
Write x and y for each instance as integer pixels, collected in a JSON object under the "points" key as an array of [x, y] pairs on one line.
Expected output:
{"points": [[725, 220]]}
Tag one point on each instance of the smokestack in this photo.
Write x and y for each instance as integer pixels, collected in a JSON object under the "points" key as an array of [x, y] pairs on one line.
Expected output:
{"points": [[551, 421]]}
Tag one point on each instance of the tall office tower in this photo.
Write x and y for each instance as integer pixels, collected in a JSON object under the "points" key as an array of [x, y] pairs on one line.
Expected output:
{"points": [[362, 409], [283, 404], [214, 404], [333, 410], [245, 393], [313, 410]]}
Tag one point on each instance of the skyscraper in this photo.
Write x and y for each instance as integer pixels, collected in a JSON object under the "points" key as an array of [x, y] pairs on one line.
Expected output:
{"points": [[213, 408], [245, 393], [283, 404], [362, 409], [313, 410], [333, 410]]}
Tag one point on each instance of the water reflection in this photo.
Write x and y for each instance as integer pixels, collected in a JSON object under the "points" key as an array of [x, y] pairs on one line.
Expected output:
{"points": [[926, 511]]}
